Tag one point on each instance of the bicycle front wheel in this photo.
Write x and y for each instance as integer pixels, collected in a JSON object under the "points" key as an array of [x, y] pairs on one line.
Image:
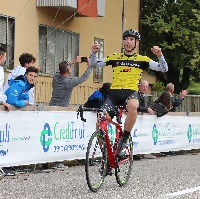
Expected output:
{"points": [[124, 164], [96, 159]]}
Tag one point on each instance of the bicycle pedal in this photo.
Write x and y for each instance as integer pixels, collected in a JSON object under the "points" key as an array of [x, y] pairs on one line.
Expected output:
{"points": [[109, 172]]}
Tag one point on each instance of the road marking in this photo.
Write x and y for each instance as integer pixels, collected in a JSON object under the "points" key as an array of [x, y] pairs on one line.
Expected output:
{"points": [[178, 193]]}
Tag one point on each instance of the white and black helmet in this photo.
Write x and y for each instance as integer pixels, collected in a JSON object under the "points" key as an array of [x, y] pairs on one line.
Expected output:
{"points": [[131, 33]]}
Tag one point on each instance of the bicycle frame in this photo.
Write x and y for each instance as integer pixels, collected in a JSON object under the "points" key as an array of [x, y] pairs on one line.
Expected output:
{"points": [[105, 120], [102, 155]]}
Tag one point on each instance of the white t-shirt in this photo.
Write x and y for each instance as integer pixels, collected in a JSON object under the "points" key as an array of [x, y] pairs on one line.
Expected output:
{"points": [[19, 70], [2, 96]]}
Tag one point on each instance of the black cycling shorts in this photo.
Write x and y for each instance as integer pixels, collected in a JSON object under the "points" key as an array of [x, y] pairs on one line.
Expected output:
{"points": [[120, 97]]}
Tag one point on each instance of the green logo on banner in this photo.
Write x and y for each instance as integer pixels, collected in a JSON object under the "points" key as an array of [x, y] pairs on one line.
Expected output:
{"points": [[155, 134], [44, 137]]}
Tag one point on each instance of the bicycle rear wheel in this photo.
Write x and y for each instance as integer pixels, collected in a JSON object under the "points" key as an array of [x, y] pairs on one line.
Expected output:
{"points": [[96, 159], [124, 164]]}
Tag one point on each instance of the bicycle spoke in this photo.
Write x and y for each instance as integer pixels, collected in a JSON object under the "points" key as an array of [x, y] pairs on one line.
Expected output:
{"points": [[96, 159]]}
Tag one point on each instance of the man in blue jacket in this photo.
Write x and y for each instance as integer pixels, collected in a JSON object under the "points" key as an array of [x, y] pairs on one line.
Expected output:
{"points": [[97, 99], [17, 93]]}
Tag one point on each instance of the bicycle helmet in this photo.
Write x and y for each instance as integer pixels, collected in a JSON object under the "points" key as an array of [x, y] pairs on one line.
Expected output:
{"points": [[131, 33]]}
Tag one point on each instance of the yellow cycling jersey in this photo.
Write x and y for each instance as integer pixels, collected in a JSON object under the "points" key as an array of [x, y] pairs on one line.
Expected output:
{"points": [[127, 70]]}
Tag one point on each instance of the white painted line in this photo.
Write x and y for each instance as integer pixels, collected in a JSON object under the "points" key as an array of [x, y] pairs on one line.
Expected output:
{"points": [[178, 193]]}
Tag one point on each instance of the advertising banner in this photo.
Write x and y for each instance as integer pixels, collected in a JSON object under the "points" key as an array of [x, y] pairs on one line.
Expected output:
{"points": [[30, 137]]}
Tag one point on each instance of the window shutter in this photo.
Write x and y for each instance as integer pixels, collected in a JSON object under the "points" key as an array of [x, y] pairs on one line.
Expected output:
{"points": [[51, 50], [3, 30], [42, 48], [59, 48]]}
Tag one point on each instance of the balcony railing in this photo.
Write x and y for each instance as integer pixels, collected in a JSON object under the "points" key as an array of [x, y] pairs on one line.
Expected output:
{"points": [[70, 5]]}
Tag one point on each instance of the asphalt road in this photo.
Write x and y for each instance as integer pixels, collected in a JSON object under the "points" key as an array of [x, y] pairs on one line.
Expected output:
{"points": [[176, 177]]}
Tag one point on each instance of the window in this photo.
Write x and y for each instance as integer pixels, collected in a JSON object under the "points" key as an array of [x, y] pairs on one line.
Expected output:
{"points": [[56, 45], [98, 72], [7, 29]]}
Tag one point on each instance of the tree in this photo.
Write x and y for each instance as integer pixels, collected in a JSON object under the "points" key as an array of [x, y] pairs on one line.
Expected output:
{"points": [[174, 25]]}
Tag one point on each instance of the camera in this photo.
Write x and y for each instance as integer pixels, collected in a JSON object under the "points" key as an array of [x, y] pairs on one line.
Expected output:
{"points": [[84, 59]]}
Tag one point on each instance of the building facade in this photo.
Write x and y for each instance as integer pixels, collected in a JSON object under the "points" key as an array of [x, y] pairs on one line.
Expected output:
{"points": [[57, 30]]}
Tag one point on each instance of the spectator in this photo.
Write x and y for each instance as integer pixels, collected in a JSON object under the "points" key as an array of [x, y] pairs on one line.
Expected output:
{"points": [[25, 61], [176, 102], [97, 99], [17, 93], [63, 84], [162, 105], [143, 88], [2, 61]]}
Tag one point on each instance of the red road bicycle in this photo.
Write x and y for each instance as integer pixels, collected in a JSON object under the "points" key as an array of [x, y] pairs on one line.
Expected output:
{"points": [[102, 154]]}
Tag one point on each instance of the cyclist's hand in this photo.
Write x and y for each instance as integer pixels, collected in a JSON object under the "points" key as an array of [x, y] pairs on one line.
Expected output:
{"points": [[95, 48], [157, 51]]}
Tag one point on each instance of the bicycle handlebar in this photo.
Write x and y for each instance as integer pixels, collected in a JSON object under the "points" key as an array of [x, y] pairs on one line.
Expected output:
{"points": [[118, 112], [81, 109]]}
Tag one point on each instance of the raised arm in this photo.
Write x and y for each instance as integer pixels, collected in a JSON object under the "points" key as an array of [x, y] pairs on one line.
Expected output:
{"points": [[177, 102], [162, 64], [76, 60], [93, 61], [78, 80]]}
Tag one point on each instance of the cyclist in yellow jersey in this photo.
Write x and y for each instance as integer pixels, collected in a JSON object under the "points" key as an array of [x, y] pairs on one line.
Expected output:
{"points": [[127, 72]]}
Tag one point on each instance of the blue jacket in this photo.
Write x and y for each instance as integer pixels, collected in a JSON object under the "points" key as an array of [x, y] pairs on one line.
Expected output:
{"points": [[17, 93], [96, 100]]}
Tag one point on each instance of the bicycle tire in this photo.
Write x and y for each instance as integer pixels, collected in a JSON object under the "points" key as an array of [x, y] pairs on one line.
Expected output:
{"points": [[96, 159], [124, 164]]}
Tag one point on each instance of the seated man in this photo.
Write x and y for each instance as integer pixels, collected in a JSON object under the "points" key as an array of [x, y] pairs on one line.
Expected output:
{"points": [[142, 90], [143, 87], [17, 93]]}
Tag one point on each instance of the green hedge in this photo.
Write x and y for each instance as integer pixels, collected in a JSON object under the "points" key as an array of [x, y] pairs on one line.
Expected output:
{"points": [[194, 91]]}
